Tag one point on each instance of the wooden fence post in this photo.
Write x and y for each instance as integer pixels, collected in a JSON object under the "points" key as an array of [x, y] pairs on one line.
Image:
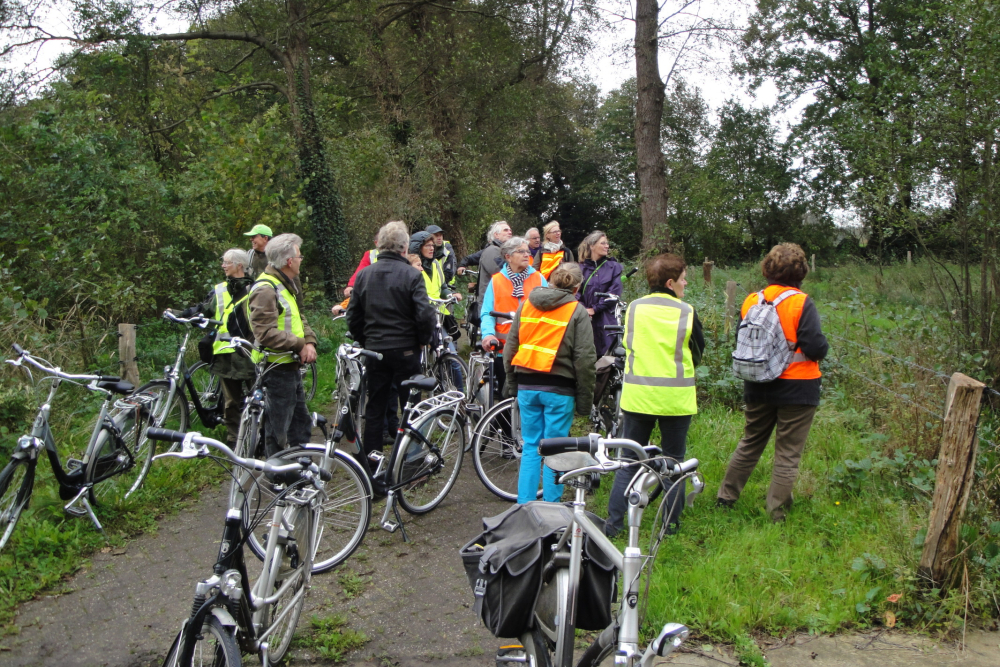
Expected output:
{"points": [[909, 257], [126, 353], [706, 269], [955, 472], [730, 303], [813, 263]]}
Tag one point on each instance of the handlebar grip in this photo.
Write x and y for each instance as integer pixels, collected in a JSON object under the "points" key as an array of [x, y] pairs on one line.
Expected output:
{"points": [[614, 327], [552, 446], [164, 434], [18, 349], [604, 294], [325, 475], [371, 355], [506, 316], [110, 378], [215, 322], [632, 272]]}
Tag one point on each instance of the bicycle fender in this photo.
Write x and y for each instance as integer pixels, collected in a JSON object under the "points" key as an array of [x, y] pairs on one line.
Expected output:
{"points": [[225, 618]]}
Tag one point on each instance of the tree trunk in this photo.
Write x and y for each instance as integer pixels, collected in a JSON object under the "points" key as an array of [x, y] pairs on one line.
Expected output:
{"points": [[648, 117]]}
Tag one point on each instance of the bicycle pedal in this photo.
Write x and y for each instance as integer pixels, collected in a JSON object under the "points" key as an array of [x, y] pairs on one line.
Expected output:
{"points": [[511, 654], [75, 511], [390, 526]]}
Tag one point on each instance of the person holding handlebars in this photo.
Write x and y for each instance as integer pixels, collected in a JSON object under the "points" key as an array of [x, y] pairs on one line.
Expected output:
{"points": [[275, 315], [601, 275]]}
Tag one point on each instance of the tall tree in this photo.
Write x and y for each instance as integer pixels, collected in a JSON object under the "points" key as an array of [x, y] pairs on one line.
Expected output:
{"points": [[648, 116]]}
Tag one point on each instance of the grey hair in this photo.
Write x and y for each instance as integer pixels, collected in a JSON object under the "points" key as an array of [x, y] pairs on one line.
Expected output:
{"points": [[532, 229], [393, 237], [495, 229], [281, 248], [510, 245], [237, 256]]}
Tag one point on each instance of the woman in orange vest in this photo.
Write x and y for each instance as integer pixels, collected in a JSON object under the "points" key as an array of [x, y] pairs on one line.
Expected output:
{"points": [[789, 402], [552, 252], [549, 359]]}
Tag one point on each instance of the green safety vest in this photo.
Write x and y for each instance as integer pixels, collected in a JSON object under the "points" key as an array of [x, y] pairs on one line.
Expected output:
{"points": [[434, 283], [289, 317], [223, 306], [373, 255], [659, 369]]}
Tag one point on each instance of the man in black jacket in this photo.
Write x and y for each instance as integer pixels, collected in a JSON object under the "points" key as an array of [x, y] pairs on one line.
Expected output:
{"points": [[391, 314]]}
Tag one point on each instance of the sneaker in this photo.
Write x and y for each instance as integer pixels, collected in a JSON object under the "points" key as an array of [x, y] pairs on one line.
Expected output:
{"points": [[724, 503]]}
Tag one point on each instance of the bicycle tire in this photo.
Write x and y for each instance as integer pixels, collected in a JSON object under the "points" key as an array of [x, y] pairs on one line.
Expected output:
{"points": [[346, 513], [246, 446], [451, 373], [209, 388], [496, 451], [116, 474], [290, 602], [225, 654], [428, 477], [17, 480], [177, 418], [309, 376]]}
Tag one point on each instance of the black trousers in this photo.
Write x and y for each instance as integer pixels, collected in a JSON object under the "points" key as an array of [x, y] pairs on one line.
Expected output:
{"points": [[394, 367], [673, 442], [286, 418]]}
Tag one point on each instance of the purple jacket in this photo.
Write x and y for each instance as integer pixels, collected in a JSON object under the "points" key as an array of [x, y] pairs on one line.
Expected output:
{"points": [[606, 277]]}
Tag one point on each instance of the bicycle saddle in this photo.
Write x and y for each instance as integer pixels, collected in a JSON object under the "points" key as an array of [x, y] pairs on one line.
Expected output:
{"points": [[569, 461], [120, 387], [419, 382]]}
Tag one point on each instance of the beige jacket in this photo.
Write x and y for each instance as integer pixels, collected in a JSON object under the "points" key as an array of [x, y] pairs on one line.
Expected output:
{"points": [[264, 313]]}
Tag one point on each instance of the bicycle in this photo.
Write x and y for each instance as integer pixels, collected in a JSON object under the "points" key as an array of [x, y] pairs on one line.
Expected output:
{"points": [[437, 360], [581, 461], [606, 413], [114, 464], [228, 616]]}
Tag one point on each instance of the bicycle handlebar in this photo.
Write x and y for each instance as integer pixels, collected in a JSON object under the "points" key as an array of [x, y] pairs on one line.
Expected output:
{"points": [[353, 349], [595, 445], [23, 355], [553, 446], [505, 316], [632, 272], [608, 296], [199, 321]]}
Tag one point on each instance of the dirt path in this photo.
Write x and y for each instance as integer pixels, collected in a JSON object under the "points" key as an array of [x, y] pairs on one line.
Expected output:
{"points": [[410, 600]]}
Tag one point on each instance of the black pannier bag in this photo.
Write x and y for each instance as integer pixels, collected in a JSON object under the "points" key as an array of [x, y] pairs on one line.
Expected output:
{"points": [[505, 562]]}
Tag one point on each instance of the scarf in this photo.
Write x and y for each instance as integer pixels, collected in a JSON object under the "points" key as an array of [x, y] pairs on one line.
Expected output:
{"points": [[517, 279], [550, 247]]}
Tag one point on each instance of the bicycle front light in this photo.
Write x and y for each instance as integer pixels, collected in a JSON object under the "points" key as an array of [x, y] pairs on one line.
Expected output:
{"points": [[231, 585], [671, 637]]}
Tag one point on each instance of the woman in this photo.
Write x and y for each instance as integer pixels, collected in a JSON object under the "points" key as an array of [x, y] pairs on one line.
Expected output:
{"points": [[789, 402], [664, 343], [422, 257], [549, 361], [552, 252], [601, 273]]}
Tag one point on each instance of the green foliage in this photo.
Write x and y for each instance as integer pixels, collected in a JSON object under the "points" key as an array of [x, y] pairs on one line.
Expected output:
{"points": [[748, 653], [330, 637]]}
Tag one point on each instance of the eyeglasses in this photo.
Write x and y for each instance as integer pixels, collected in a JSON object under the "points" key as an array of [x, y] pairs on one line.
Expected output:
{"points": [[227, 263], [521, 252]]}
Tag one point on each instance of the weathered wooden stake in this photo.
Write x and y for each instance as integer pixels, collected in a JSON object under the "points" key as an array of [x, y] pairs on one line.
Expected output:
{"points": [[909, 257], [706, 268], [955, 472], [813, 267], [126, 353], [730, 303]]}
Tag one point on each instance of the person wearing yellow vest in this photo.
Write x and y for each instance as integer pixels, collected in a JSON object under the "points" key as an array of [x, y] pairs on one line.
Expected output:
{"points": [[663, 343], [369, 258], [788, 403], [421, 255], [553, 252], [274, 311], [550, 363]]}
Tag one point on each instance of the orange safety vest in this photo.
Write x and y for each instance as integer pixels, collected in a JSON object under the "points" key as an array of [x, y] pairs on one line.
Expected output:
{"points": [[789, 312], [504, 300], [540, 334], [550, 260]]}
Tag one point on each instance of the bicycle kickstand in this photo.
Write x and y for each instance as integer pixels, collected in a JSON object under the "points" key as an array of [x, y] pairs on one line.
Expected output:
{"points": [[393, 526], [82, 497]]}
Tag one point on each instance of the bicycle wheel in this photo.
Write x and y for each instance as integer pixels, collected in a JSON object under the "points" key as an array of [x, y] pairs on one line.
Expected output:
{"points": [[451, 373], [496, 450], [173, 416], [209, 389], [250, 434], [118, 465], [609, 409], [477, 394], [308, 373], [16, 482], [216, 647], [428, 470], [346, 512], [279, 619]]}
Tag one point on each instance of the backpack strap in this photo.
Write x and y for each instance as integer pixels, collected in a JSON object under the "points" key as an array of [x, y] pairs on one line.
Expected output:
{"points": [[784, 295]]}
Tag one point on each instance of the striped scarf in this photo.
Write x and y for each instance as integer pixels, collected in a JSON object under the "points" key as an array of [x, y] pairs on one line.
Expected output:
{"points": [[518, 281]]}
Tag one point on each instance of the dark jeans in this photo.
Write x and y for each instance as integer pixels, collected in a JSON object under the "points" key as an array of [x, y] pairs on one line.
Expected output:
{"points": [[395, 367], [286, 418], [673, 442]]}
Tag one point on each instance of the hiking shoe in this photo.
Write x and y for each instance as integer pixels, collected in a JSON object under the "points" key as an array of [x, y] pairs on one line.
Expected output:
{"points": [[724, 503]]}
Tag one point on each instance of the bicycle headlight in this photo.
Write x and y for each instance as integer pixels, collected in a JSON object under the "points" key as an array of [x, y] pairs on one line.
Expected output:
{"points": [[231, 585]]}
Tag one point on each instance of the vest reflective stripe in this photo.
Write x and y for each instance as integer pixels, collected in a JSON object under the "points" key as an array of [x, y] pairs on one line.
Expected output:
{"points": [[223, 306], [540, 334], [289, 317], [504, 300], [659, 369], [434, 283], [789, 312], [373, 255], [550, 260]]}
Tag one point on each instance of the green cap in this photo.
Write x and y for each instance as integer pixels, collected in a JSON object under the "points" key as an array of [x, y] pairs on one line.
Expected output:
{"points": [[260, 229]]}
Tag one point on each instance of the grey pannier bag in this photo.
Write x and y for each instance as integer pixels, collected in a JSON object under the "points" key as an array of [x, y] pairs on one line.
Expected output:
{"points": [[762, 352]]}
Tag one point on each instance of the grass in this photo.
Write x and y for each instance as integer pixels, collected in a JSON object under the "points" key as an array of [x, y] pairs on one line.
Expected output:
{"points": [[329, 637]]}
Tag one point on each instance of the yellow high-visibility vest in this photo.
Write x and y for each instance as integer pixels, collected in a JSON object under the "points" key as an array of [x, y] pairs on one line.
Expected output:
{"points": [[289, 317]]}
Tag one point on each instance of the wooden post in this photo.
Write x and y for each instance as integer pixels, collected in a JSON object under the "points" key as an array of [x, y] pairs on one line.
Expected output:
{"points": [[730, 303], [126, 353], [813, 269], [909, 257], [955, 473], [706, 268]]}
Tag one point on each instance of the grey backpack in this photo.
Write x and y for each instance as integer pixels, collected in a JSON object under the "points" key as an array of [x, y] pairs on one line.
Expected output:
{"points": [[762, 352]]}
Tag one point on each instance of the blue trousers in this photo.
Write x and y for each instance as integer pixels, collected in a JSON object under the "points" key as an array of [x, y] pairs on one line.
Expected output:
{"points": [[543, 415]]}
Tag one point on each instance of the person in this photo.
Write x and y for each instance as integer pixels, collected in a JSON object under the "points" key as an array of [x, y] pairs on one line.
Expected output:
{"points": [[444, 253], [369, 258], [552, 252], [259, 236], [275, 314], [488, 259], [391, 314], [787, 404], [549, 360], [663, 342], [601, 273], [534, 240], [507, 289], [422, 256]]}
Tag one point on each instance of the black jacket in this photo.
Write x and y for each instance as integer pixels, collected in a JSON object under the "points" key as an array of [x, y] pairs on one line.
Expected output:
{"points": [[389, 308]]}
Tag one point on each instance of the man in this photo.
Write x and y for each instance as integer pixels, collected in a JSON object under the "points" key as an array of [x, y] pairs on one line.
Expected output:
{"points": [[488, 258], [279, 327], [391, 314], [444, 253], [259, 236], [534, 239]]}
